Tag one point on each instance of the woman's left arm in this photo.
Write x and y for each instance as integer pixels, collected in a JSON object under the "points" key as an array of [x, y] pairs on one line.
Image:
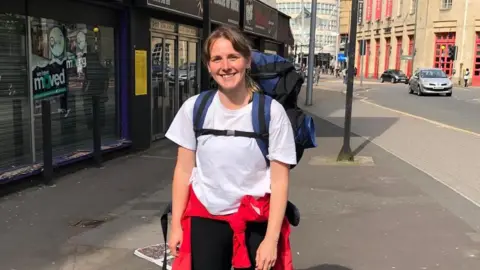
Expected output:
{"points": [[281, 154], [278, 199]]}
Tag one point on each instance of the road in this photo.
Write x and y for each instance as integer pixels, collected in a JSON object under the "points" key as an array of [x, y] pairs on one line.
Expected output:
{"points": [[462, 110]]}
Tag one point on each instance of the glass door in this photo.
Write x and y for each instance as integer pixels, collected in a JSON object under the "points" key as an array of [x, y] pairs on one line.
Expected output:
{"points": [[157, 85], [170, 93], [187, 69], [163, 84]]}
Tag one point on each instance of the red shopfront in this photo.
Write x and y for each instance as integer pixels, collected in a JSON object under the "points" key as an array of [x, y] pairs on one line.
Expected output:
{"points": [[476, 62], [441, 60]]}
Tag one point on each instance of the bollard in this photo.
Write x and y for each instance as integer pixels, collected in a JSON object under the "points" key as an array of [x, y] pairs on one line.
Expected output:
{"points": [[17, 127], [97, 137], [47, 142]]}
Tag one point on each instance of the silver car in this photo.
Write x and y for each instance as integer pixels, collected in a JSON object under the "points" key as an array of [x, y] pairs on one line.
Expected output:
{"points": [[430, 81]]}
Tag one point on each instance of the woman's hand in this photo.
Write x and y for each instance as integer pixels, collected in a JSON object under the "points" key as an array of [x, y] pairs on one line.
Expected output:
{"points": [[175, 240], [266, 254]]}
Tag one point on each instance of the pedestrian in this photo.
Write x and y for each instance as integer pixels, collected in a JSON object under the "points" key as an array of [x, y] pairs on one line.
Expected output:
{"points": [[344, 73], [317, 74], [466, 77], [215, 174]]}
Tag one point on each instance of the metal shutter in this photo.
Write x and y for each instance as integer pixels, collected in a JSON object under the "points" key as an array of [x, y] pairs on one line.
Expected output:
{"points": [[14, 100]]}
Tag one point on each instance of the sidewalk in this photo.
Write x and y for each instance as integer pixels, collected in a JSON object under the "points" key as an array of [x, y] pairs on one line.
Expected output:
{"points": [[374, 215]]}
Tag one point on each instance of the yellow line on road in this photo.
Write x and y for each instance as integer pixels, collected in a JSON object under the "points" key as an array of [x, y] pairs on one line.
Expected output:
{"points": [[433, 122]]}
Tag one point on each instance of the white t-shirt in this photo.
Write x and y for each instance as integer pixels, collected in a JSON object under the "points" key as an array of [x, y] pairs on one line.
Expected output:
{"points": [[228, 168]]}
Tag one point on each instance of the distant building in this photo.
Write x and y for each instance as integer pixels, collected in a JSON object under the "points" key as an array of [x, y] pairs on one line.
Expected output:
{"points": [[272, 3], [388, 27], [327, 25]]}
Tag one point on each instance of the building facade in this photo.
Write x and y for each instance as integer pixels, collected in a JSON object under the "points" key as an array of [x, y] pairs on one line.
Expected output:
{"points": [[326, 35], [406, 35], [141, 57], [344, 20]]}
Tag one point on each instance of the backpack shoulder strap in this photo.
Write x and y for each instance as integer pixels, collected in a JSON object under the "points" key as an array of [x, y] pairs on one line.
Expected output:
{"points": [[202, 103], [261, 121]]}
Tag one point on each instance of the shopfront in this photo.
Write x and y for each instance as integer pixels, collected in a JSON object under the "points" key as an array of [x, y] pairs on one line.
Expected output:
{"points": [[175, 69], [51, 51], [174, 45]]}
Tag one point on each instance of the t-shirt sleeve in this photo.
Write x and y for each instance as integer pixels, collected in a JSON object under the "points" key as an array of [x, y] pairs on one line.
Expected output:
{"points": [[181, 129], [281, 139]]}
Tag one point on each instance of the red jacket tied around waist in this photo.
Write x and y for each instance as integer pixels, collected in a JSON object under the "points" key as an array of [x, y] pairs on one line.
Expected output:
{"points": [[250, 210]]}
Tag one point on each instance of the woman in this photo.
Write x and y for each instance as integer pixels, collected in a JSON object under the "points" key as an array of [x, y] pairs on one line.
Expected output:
{"points": [[217, 180]]}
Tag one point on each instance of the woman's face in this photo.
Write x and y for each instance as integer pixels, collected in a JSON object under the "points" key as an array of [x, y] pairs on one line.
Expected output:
{"points": [[227, 66]]}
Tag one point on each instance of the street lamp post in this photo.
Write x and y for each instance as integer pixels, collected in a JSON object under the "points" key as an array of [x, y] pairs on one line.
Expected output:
{"points": [[311, 53]]}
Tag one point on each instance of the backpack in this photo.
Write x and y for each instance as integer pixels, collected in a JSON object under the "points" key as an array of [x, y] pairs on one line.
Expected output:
{"points": [[278, 80]]}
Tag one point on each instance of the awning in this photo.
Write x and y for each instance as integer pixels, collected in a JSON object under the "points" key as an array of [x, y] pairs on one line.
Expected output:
{"points": [[284, 30]]}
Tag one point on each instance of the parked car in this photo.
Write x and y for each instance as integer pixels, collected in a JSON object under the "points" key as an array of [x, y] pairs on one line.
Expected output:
{"points": [[430, 81], [394, 76]]}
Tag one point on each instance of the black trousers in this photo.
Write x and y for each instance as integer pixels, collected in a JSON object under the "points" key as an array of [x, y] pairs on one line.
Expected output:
{"points": [[212, 243]]}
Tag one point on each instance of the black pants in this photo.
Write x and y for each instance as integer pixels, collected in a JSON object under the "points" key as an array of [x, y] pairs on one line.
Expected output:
{"points": [[212, 243]]}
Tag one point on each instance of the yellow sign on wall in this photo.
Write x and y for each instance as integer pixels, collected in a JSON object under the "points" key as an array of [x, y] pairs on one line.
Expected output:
{"points": [[140, 72]]}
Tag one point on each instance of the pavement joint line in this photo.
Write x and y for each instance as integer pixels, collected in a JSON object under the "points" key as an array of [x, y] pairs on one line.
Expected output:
{"points": [[433, 122]]}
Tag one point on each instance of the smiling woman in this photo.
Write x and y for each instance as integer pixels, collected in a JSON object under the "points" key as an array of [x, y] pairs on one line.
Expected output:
{"points": [[226, 193]]}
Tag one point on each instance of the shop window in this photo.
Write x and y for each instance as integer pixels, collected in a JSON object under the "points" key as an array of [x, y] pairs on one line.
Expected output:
{"points": [[70, 63], [14, 95]]}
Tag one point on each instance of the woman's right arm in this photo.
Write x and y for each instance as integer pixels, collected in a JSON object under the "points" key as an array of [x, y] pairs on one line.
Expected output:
{"points": [[181, 180]]}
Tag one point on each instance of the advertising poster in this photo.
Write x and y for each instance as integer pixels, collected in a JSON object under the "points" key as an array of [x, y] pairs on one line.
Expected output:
{"points": [[58, 54]]}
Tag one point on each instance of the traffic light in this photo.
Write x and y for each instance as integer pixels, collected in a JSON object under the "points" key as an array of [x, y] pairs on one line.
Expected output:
{"points": [[362, 47], [452, 53]]}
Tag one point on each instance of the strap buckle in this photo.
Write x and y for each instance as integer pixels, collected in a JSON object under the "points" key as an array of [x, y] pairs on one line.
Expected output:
{"points": [[230, 132]]}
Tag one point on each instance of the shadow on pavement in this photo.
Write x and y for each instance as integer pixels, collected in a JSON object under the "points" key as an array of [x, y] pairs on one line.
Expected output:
{"points": [[328, 267], [328, 129]]}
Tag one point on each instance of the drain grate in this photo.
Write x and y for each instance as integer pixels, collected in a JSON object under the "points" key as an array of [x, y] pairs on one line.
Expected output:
{"points": [[89, 223]]}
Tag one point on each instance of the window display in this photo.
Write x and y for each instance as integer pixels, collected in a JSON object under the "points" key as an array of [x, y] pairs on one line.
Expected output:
{"points": [[71, 63], [65, 63]]}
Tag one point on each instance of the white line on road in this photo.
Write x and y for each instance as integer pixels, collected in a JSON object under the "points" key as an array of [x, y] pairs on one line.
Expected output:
{"points": [[433, 122]]}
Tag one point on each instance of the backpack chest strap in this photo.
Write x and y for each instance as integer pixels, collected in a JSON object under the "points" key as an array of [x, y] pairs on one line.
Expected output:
{"points": [[231, 133]]}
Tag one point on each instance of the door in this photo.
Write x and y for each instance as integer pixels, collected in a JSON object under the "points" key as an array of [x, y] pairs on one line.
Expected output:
{"points": [[388, 51], [410, 53], [442, 42], [399, 53], [187, 69], [367, 58], [377, 58], [163, 84], [476, 63]]}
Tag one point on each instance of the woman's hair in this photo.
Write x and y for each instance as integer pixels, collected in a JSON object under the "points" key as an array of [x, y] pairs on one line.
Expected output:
{"points": [[240, 43]]}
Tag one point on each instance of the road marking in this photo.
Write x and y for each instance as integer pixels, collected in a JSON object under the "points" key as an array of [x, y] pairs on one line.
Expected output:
{"points": [[433, 122]]}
